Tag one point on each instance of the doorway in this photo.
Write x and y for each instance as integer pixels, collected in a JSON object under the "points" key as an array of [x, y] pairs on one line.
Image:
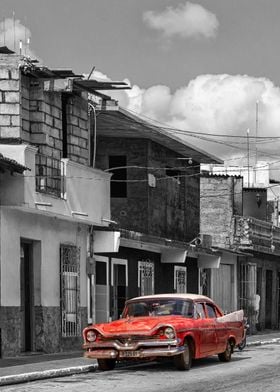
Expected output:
{"points": [[102, 290], [278, 288], [26, 295], [119, 286], [268, 299]]}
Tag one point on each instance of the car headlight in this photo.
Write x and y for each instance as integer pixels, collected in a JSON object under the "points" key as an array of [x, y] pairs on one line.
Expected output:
{"points": [[169, 333], [91, 336]]}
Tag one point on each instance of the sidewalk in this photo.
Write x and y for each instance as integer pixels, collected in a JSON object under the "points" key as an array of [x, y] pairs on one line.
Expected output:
{"points": [[41, 366]]}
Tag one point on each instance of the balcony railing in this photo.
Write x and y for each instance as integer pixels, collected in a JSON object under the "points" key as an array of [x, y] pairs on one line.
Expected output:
{"points": [[49, 176], [254, 234]]}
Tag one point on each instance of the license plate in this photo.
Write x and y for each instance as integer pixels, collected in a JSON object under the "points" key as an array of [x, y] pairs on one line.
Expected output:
{"points": [[129, 354]]}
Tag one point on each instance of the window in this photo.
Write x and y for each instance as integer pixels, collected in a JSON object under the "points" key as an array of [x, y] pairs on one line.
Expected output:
{"points": [[211, 311], [70, 276], [49, 175], [117, 166], [180, 279], [145, 277], [199, 311]]}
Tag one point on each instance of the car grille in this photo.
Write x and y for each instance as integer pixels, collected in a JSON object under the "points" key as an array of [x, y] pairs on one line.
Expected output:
{"points": [[129, 338]]}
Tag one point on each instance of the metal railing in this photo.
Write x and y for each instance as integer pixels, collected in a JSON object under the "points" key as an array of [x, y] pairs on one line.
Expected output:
{"points": [[70, 290], [256, 234], [49, 175]]}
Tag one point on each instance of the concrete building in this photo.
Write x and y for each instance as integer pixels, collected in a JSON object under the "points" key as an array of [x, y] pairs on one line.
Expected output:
{"points": [[53, 216], [248, 273], [155, 193]]}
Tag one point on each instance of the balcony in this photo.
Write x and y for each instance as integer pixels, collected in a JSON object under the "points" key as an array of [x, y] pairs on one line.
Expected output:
{"points": [[250, 234], [53, 187]]}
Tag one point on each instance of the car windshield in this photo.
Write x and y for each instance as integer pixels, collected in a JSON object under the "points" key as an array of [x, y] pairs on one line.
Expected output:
{"points": [[158, 307]]}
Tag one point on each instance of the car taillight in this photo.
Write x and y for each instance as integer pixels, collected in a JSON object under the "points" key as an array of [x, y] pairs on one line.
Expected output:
{"points": [[169, 333], [91, 336]]}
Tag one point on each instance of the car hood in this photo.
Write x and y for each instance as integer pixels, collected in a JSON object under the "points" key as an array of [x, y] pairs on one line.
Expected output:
{"points": [[139, 325]]}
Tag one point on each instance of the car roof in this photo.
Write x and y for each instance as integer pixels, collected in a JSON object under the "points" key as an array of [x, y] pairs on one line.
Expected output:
{"points": [[192, 297]]}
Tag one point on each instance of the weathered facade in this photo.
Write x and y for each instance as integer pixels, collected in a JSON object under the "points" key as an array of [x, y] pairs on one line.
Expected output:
{"points": [[54, 215], [236, 218], [155, 203]]}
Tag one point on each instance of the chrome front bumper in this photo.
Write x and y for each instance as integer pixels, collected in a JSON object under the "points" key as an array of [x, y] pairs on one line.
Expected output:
{"points": [[144, 349]]}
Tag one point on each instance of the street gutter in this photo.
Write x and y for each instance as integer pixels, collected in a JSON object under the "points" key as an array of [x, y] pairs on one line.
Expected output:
{"points": [[45, 374]]}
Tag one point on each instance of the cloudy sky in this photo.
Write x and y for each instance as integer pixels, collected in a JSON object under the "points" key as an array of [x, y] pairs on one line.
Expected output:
{"points": [[207, 69]]}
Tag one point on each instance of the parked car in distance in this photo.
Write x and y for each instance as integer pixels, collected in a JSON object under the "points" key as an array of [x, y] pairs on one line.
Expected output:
{"points": [[182, 326]]}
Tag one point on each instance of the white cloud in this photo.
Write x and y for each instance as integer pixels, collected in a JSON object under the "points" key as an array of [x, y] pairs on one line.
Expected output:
{"points": [[12, 32], [186, 21], [215, 104]]}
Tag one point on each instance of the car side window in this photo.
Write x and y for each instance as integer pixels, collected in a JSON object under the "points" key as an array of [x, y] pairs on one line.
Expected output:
{"points": [[211, 311], [199, 311]]}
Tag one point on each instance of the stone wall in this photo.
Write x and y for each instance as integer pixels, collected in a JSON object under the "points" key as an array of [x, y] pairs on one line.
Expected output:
{"points": [[10, 326], [46, 334]]}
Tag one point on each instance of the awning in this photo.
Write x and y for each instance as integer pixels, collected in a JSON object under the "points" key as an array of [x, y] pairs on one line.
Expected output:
{"points": [[208, 261], [106, 241]]}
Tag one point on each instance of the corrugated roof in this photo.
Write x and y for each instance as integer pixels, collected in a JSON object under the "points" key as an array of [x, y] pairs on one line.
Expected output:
{"points": [[121, 123], [79, 84], [7, 164], [92, 85], [207, 174]]}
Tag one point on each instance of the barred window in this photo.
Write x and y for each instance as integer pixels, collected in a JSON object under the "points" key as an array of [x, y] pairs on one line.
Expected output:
{"points": [[146, 277], [180, 279], [70, 290]]}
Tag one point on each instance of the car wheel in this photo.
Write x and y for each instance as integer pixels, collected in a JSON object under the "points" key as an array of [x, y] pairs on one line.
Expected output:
{"points": [[226, 355], [106, 364], [184, 361], [242, 345]]}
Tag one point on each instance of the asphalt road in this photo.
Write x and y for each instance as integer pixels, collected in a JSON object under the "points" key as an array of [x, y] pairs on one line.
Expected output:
{"points": [[256, 369]]}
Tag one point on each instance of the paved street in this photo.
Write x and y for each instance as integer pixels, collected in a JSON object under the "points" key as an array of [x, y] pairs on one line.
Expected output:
{"points": [[255, 369]]}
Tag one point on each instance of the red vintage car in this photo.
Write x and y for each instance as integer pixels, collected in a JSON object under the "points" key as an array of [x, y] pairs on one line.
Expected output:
{"points": [[182, 326]]}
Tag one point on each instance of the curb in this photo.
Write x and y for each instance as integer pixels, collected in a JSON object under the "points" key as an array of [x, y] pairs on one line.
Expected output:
{"points": [[69, 371], [263, 342], [45, 374]]}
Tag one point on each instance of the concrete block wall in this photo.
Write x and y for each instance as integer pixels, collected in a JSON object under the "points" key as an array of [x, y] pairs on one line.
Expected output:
{"points": [[161, 210], [173, 203], [10, 108], [77, 129], [32, 115], [45, 120], [218, 201], [131, 212]]}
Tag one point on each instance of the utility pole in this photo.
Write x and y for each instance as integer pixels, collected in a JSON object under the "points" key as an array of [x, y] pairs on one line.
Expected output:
{"points": [[257, 128], [248, 157]]}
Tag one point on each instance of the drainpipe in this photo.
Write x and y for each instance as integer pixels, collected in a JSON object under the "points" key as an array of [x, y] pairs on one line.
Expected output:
{"points": [[90, 252], [92, 135]]}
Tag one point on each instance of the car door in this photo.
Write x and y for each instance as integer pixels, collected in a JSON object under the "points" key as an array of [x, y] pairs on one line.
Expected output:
{"points": [[207, 330], [218, 345]]}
